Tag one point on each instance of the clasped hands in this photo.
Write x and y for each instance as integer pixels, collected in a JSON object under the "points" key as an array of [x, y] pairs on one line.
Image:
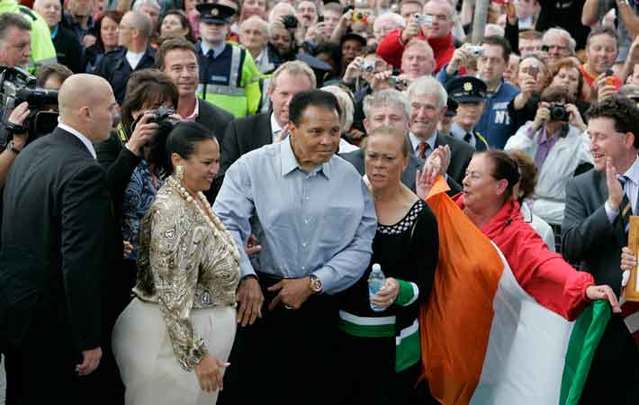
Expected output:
{"points": [[291, 292]]}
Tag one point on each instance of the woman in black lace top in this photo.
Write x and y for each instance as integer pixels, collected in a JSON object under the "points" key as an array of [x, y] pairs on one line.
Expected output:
{"points": [[380, 350]]}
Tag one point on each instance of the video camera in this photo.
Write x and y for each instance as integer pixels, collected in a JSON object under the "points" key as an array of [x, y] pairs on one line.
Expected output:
{"points": [[17, 86]]}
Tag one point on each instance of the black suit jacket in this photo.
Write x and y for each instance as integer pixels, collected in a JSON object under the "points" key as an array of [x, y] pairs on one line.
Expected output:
{"points": [[241, 136], [590, 238], [460, 155], [56, 241], [116, 70], [214, 118], [244, 135], [68, 49]]}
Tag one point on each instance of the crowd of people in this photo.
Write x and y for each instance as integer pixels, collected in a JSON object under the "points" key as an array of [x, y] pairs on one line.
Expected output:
{"points": [[199, 222]]}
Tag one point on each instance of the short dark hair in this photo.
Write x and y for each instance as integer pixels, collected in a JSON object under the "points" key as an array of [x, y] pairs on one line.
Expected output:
{"points": [[602, 31], [53, 69], [312, 98], [622, 111], [171, 45], [504, 168], [185, 136], [499, 41], [8, 20], [144, 86]]}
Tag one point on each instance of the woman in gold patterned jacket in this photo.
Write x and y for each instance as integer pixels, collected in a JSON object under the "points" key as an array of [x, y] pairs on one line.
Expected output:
{"points": [[172, 342]]}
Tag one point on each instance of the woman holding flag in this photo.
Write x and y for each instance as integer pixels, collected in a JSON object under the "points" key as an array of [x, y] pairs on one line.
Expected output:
{"points": [[505, 291]]}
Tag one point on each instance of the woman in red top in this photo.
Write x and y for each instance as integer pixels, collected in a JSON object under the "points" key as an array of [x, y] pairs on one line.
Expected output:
{"points": [[487, 199]]}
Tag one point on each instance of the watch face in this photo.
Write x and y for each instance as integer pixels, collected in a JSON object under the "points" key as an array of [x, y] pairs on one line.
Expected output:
{"points": [[316, 284]]}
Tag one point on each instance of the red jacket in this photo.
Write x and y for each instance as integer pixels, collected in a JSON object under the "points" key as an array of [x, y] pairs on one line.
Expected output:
{"points": [[543, 274], [391, 49]]}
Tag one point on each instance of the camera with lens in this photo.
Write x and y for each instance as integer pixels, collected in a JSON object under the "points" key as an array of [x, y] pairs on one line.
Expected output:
{"points": [[368, 66], [425, 20], [161, 114], [397, 83], [17, 86], [558, 112], [475, 50], [290, 22]]}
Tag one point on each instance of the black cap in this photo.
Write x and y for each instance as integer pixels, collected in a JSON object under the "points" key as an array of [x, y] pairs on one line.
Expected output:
{"points": [[357, 37], [467, 89], [451, 107], [215, 13]]}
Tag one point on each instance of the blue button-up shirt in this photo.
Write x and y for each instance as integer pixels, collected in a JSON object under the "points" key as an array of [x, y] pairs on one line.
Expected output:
{"points": [[320, 222]]}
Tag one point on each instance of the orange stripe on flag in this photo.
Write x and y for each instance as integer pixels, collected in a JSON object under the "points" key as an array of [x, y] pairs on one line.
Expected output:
{"points": [[456, 323]]}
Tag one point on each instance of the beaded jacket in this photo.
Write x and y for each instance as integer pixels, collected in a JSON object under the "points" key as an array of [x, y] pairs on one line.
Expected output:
{"points": [[187, 261]]}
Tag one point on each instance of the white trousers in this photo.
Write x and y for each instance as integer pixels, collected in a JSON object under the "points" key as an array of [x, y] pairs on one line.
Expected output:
{"points": [[147, 363]]}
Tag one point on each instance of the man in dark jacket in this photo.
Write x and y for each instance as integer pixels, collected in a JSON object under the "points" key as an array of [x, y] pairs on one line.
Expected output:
{"points": [[133, 54], [67, 46], [57, 244]]}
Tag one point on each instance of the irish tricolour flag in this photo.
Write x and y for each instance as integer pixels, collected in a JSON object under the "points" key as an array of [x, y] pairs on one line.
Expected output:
{"points": [[484, 339]]}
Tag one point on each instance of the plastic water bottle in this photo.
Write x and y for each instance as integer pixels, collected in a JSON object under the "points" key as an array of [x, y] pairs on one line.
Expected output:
{"points": [[376, 281]]}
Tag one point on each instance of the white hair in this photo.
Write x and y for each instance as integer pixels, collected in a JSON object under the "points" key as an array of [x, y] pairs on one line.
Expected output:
{"points": [[563, 34], [139, 3], [494, 30], [386, 98], [290, 10], [258, 21], [395, 18], [345, 104], [428, 85]]}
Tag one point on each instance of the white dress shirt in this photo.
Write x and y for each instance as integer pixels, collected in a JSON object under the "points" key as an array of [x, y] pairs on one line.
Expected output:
{"points": [[631, 189], [82, 138]]}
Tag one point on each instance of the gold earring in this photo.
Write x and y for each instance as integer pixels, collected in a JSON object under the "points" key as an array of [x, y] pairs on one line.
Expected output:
{"points": [[179, 172]]}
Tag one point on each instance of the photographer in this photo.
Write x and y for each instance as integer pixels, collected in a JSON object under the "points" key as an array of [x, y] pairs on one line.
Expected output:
{"points": [[491, 59], [434, 25], [146, 90], [554, 140]]}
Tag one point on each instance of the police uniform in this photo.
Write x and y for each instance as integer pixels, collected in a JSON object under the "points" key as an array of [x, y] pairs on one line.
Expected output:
{"points": [[229, 78], [42, 49], [463, 90]]}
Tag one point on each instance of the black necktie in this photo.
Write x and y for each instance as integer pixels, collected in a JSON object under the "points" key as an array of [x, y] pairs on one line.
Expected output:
{"points": [[468, 137]]}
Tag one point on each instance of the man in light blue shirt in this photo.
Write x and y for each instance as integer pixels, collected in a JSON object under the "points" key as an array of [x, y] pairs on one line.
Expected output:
{"points": [[318, 223]]}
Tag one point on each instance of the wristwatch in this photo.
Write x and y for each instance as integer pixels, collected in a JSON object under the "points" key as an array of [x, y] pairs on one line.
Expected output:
{"points": [[11, 146], [315, 283]]}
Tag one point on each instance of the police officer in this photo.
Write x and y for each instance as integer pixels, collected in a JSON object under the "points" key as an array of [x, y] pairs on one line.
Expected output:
{"points": [[228, 75], [470, 94]]}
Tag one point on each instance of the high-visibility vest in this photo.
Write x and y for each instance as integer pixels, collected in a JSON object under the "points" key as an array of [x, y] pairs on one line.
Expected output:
{"points": [[42, 49], [233, 97]]}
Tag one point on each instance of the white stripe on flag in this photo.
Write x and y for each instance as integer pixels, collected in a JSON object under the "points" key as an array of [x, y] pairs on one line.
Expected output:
{"points": [[526, 351]]}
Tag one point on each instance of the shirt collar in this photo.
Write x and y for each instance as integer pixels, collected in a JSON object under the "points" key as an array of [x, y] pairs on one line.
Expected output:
{"points": [[290, 163], [275, 127], [87, 143], [633, 172], [457, 131], [195, 113], [415, 141], [216, 49]]}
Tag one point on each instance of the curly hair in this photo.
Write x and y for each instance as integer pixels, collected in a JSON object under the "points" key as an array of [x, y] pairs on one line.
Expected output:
{"points": [[566, 63], [622, 111]]}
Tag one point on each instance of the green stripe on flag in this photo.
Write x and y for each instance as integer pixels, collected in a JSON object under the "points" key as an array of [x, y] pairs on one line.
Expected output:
{"points": [[585, 337]]}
